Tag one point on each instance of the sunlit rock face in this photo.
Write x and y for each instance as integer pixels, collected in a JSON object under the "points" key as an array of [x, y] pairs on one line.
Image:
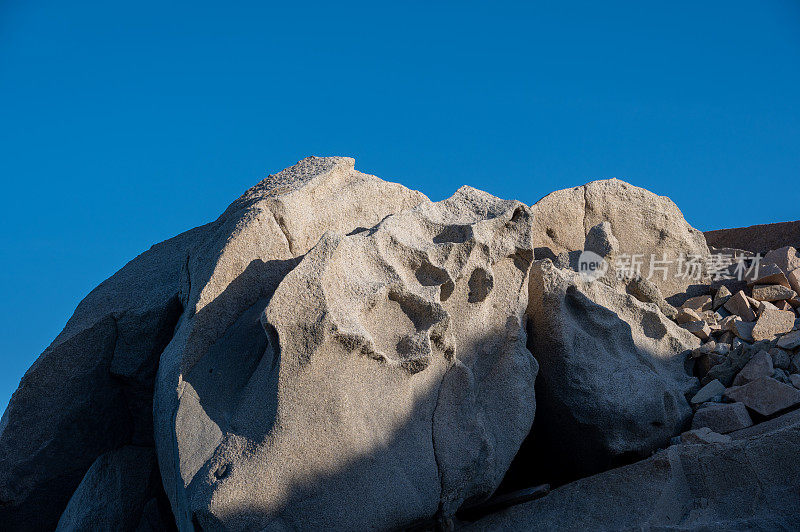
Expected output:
{"points": [[395, 383], [648, 227]]}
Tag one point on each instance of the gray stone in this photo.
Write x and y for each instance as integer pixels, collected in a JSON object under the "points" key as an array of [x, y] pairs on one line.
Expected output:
{"points": [[780, 358], [744, 330], [707, 392], [773, 292], [768, 274], [722, 296], [722, 418], [685, 315], [795, 378], [742, 485], [114, 492], [765, 396], [612, 371], [790, 340], [759, 366], [739, 305], [704, 436], [772, 323], [699, 303], [698, 328]]}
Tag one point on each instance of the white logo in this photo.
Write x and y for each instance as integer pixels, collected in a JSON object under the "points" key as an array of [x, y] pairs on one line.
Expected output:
{"points": [[591, 266]]}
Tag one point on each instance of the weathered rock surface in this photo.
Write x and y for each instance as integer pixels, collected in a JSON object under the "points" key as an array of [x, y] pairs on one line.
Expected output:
{"points": [[395, 384], [747, 484], [642, 222], [612, 377], [116, 492]]}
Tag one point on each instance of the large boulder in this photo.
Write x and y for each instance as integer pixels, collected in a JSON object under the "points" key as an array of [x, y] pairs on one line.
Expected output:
{"points": [[746, 484], [91, 390], [647, 226], [613, 381], [116, 493], [395, 383], [219, 345]]}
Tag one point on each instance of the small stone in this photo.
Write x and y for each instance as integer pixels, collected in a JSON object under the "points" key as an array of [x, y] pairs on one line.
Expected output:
{"points": [[790, 340], [704, 436], [726, 338], [785, 258], [768, 273], [765, 396], [707, 361], [699, 303], [759, 366], [685, 315], [772, 292], [780, 358], [722, 349], [795, 378], [698, 328], [722, 418], [744, 330], [781, 376], [708, 347], [707, 392], [739, 305], [722, 296], [772, 323], [794, 365], [783, 305]]}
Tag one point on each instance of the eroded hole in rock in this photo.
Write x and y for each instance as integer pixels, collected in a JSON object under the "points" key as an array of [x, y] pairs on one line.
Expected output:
{"points": [[481, 283], [399, 326], [454, 234]]}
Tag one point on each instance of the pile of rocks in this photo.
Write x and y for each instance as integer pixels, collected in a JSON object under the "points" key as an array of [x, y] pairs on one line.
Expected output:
{"points": [[749, 363]]}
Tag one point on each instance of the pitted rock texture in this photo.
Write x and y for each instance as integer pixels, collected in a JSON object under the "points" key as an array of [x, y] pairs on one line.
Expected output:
{"points": [[613, 381], [396, 377], [644, 224]]}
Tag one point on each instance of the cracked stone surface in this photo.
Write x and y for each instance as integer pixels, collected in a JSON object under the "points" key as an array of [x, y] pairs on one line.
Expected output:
{"points": [[644, 224]]}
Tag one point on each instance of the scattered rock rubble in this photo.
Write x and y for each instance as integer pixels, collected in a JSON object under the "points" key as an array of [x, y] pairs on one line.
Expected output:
{"points": [[749, 362]]}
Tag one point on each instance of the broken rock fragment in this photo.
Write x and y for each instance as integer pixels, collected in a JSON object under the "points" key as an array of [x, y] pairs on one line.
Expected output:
{"points": [[772, 323], [765, 396], [722, 418]]}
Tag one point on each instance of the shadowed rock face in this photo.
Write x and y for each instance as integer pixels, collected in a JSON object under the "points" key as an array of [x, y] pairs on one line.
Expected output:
{"points": [[401, 381], [746, 484], [612, 384]]}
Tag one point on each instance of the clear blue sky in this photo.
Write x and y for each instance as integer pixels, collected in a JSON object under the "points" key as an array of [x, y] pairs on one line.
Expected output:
{"points": [[122, 125]]}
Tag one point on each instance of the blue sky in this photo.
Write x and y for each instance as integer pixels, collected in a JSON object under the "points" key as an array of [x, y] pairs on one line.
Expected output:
{"points": [[122, 125]]}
